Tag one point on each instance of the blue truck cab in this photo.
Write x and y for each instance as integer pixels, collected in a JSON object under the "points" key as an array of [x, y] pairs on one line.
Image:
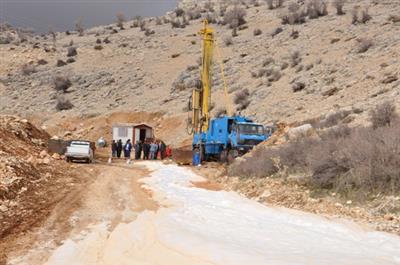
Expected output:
{"points": [[228, 137]]}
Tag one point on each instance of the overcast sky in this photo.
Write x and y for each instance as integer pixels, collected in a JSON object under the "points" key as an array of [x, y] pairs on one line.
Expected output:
{"points": [[62, 14]]}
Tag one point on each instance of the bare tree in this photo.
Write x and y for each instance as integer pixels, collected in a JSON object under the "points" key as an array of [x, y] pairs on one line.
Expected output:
{"points": [[120, 20], [79, 27]]}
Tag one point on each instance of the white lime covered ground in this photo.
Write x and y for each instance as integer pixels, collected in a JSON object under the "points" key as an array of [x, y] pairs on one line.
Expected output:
{"points": [[197, 226]]}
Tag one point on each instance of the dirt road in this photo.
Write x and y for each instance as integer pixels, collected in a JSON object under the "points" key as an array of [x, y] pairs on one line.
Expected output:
{"points": [[152, 213], [112, 196]]}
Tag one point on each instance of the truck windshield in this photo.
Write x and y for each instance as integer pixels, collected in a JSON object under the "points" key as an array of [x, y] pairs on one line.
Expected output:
{"points": [[251, 129]]}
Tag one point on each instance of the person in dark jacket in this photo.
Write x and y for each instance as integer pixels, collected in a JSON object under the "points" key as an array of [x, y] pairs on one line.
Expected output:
{"points": [[146, 150], [119, 148], [138, 150], [113, 148], [127, 149], [162, 148]]}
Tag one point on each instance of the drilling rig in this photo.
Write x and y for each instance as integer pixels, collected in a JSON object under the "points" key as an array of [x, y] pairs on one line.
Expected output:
{"points": [[222, 138]]}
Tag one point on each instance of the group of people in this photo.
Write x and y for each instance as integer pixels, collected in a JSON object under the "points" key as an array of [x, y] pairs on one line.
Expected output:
{"points": [[147, 150], [118, 147]]}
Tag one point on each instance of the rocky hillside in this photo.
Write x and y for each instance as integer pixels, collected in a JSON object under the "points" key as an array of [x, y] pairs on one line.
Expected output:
{"points": [[284, 62]]}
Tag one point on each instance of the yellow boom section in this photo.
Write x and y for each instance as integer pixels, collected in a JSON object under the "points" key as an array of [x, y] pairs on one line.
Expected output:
{"points": [[202, 96]]}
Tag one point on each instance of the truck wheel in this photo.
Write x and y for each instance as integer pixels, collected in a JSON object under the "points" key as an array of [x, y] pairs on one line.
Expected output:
{"points": [[232, 154]]}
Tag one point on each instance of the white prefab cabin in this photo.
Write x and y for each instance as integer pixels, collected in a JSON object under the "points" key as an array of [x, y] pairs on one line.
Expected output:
{"points": [[134, 132]]}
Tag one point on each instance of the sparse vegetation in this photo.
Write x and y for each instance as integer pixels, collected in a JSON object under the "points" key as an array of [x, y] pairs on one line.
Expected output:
{"points": [[363, 45], [98, 47], [360, 15], [220, 112], [62, 83], [257, 32], [316, 8], [383, 115], [253, 167], [272, 4], [242, 99], [298, 86], [28, 69], [295, 14], [149, 32], [295, 58], [63, 104], [42, 62], [137, 21], [356, 162], [60, 63], [179, 12], [338, 4], [276, 31], [234, 16], [72, 52], [228, 40], [394, 18]]}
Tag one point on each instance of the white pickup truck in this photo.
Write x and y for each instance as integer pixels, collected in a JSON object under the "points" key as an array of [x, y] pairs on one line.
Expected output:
{"points": [[79, 150]]}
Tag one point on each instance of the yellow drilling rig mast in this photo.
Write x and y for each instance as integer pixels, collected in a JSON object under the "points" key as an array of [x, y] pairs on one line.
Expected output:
{"points": [[201, 97]]}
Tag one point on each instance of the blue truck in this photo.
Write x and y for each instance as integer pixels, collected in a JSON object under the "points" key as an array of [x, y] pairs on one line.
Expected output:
{"points": [[228, 137]]}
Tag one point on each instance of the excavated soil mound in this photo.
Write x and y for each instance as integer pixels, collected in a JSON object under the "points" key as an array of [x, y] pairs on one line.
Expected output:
{"points": [[31, 181]]}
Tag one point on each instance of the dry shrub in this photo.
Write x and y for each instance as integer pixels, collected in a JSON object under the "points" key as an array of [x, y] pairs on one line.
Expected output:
{"points": [[276, 31], [220, 112], [62, 83], [60, 63], [364, 162], [63, 104], [234, 16], [316, 8], [98, 47], [338, 4], [179, 12], [176, 23], [360, 15], [274, 75], [363, 45], [120, 20], [259, 165], [137, 21], [242, 99], [355, 162], [394, 18], [71, 52], [28, 69], [383, 115], [273, 4], [257, 32], [42, 62], [159, 21], [333, 119], [228, 41], [298, 86], [149, 32], [193, 14], [295, 58], [294, 14]]}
